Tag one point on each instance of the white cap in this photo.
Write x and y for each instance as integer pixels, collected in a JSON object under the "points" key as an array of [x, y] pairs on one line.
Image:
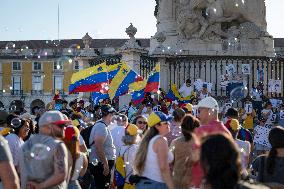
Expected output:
{"points": [[87, 104], [208, 102]]}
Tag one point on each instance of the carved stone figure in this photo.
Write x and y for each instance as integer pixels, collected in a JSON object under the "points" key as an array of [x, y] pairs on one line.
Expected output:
{"points": [[213, 27], [196, 17]]}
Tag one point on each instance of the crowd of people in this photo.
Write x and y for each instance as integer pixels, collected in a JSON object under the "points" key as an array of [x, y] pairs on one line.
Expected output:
{"points": [[155, 145]]}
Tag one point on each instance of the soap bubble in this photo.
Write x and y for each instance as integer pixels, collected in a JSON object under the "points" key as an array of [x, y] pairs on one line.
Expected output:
{"points": [[95, 162], [13, 108], [40, 151], [238, 93], [74, 49], [10, 45], [176, 131]]}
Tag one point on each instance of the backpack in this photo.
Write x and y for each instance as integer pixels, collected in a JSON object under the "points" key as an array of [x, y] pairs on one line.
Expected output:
{"points": [[85, 133], [119, 170]]}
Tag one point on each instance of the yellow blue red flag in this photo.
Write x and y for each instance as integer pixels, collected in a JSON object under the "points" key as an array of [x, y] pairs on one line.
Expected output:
{"points": [[89, 80], [153, 80], [138, 91], [173, 95], [121, 81]]}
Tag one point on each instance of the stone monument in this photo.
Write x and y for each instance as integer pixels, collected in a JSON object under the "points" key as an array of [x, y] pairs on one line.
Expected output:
{"points": [[212, 27]]}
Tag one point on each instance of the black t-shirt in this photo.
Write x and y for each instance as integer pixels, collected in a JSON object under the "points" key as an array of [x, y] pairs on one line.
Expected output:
{"points": [[259, 166]]}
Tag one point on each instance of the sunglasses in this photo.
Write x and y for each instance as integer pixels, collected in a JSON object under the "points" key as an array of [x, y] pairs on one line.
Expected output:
{"points": [[142, 122]]}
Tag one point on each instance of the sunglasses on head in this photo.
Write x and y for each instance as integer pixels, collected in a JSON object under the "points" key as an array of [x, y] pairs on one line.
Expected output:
{"points": [[142, 122]]}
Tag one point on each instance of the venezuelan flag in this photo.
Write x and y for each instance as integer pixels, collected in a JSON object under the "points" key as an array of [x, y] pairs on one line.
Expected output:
{"points": [[113, 70], [89, 80], [174, 95], [138, 91], [153, 80], [97, 96], [121, 81]]}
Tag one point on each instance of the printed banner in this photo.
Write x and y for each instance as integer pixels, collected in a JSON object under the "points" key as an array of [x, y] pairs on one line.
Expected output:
{"points": [[246, 69]]}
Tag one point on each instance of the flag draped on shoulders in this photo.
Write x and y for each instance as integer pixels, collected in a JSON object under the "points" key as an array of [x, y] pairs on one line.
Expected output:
{"points": [[174, 95], [89, 80], [121, 81], [153, 80]]}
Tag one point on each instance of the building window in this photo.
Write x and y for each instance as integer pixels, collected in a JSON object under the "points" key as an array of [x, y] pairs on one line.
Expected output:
{"points": [[17, 66], [17, 83], [37, 66], [37, 83], [76, 65], [58, 65], [58, 82]]}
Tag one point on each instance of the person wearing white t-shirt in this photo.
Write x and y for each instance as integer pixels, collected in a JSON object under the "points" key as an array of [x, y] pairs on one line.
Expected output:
{"points": [[16, 139], [186, 90], [204, 92], [267, 113], [148, 111], [260, 140], [118, 132]]}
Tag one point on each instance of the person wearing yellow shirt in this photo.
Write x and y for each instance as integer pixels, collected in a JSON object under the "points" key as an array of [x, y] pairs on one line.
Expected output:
{"points": [[248, 120]]}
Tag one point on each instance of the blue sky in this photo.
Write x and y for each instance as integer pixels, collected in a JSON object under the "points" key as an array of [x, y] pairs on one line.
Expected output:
{"points": [[37, 19]]}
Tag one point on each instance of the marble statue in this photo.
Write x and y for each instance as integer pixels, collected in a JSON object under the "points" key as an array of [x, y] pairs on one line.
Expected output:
{"points": [[204, 25]]}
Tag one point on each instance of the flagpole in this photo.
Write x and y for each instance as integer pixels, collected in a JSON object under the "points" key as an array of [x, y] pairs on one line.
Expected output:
{"points": [[58, 22], [159, 82]]}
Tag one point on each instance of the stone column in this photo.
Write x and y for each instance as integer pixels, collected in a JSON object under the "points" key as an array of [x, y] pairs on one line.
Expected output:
{"points": [[131, 52]]}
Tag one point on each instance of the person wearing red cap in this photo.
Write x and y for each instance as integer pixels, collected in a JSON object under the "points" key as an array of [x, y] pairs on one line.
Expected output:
{"points": [[80, 161], [44, 157]]}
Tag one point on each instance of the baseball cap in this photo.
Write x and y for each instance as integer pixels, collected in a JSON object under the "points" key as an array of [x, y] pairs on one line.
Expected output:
{"points": [[3, 117], [233, 124], [106, 109], [87, 104], [189, 107], [132, 129], [157, 117], [71, 132], [208, 102], [53, 117]]}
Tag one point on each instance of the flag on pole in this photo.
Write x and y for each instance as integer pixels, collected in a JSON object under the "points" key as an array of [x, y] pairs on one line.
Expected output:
{"points": [[121, 81], [89, 80], [138, 91], [153, 80]]}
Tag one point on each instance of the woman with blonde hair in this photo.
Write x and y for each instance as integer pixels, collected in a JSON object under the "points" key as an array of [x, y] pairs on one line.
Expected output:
{"points": [[153, 156], [80, 162]]}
